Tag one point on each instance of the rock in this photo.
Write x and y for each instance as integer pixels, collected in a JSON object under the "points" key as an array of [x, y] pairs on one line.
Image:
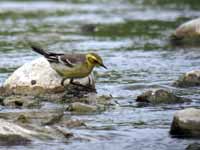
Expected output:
{"points": [[81, 108], [186, 123], [37, 77], [189, 29], [21, 102], [64, 131], [74, 123], [194, 146], [13, 139], [188, 79], [159, 96], [12, 134], [39, 117]]}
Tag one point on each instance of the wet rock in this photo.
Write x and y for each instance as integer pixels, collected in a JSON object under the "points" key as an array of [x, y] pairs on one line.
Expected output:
{"points": [[64, 131], [12, 134], [13, 139], [159, 96], [39, 117], [21, 102], [89, 28], [188, 79], [74, 123], [36, 78], [186, 123], [194, 146], [190, 29], [81, 108]]}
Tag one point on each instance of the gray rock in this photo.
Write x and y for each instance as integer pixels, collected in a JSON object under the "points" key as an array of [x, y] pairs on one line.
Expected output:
{"points": [[13, 139], [38, 117], [81, 108], [21, 102], [159, 96], [25, 130], [37, 77], [194, 146], [186, 123], [73, 123], [12, 134], [188, 30], [188, 79]]}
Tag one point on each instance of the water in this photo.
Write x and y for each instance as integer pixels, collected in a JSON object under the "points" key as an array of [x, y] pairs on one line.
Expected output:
{"points": [[132, 37]]}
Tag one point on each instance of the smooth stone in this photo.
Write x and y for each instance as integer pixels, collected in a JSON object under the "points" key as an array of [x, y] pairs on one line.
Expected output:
{"points": [[73, 123], [21, 102], [189, 79], [81, 108], [186, 123], [193, 146], [39, 117], [188, 29], [13, 134], [37, 77], [159, 96]]}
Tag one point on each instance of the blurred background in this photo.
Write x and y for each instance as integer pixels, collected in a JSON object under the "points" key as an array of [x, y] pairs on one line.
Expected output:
{"points": [[132, 36]]}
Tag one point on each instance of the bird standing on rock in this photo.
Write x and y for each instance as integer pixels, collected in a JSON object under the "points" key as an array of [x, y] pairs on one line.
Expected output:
{"points": [[71, 66]]}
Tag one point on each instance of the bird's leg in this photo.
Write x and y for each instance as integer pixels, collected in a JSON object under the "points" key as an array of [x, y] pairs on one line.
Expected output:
{"points": [[63, 81], [77, 84]]}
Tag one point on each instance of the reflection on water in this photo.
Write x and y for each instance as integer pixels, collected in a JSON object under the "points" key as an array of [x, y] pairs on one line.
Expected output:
{"points": [[132, 37]]}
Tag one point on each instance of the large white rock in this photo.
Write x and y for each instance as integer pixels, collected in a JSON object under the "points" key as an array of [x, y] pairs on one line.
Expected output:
{"points": [[186, 123], [38, 77], [188, 29]]}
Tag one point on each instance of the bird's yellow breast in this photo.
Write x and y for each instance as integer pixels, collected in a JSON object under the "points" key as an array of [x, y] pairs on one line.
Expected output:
{"points": [[79, 71]]}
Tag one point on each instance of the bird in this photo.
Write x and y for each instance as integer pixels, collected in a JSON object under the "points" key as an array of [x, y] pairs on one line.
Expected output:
{"points": [[71, 65]]}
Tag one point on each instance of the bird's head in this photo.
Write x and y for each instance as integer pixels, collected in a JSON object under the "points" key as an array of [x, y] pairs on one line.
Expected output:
{"points": [[95, 60]]}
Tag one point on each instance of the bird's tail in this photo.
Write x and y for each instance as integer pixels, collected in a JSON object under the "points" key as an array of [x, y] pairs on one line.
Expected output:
{"points": [[40, 51], [51, 57]]}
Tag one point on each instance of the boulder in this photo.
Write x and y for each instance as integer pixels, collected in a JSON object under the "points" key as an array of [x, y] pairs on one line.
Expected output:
{"points": [[186, 123], [193, 146], [37, 77], [189, 29], [159, 96], [188, 79]]}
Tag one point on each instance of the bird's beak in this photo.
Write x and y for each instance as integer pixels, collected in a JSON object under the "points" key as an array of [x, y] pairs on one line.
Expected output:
{"points": [[102, 65]]}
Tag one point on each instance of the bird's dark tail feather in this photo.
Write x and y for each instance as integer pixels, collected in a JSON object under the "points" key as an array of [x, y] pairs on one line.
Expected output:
{"points": [[40, 51]]}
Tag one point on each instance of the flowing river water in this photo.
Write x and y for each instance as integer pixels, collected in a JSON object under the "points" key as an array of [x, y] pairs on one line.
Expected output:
{"points": [[132, 36]]}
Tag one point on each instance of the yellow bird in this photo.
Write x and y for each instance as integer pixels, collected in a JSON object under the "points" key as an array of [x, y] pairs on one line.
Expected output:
{"points": [[70, 65]]}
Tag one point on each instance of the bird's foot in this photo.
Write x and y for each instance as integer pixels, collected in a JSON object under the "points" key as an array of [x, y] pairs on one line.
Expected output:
{"points": [[87, 88]]}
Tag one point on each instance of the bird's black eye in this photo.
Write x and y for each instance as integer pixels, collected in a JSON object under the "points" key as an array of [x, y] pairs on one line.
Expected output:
{"points": [[95, 61]]}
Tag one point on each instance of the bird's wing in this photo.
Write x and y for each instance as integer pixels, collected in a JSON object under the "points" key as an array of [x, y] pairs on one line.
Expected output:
{"points": [[72, 59]]}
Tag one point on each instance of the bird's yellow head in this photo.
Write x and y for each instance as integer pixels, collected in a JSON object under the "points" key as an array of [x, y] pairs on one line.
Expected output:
{"points": [[95, 60]]}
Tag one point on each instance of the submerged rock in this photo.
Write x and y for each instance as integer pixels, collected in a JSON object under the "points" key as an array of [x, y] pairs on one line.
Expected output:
{"points": [[186, 123], [78, 107], [188, 79], [36, 78], [194, 146], [13, 139], [21, 102], [12, 134], [38, 117], [159, 96], [190, 29]]}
